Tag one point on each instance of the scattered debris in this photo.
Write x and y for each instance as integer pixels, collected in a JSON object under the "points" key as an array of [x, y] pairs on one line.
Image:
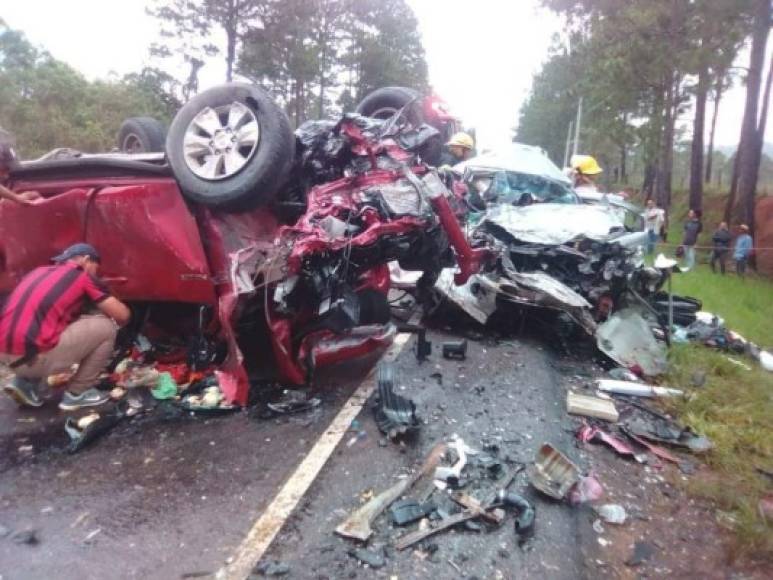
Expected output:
{"points": [[588, 433], [412, 538], [357, 525], [612, 513], [627, 339], [408, 511], [591, 407], [88, 429], [456, 350], [494, 516], [370, 558], [642, 552], [293, 402], [553, 473], [621, 374], [28, 537], [423, 346], [395, 415], [587, 489], [524, 523], [453, 475], [273, 568], [636, 389]]}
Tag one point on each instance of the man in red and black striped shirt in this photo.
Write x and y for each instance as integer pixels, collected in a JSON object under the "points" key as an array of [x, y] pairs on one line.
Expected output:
{"points": [[44, 331]]}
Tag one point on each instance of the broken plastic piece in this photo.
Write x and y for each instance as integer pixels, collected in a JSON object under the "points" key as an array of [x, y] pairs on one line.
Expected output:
{"points": [[423, 346], [587, 489], [636, 389], [524, 523], [456, 350], [165, 387], [395, 415], [588, 433], [369, 557], [409, 510], [453, 474], [612, 513], [627, 339], [553, 473], [87, 429]]}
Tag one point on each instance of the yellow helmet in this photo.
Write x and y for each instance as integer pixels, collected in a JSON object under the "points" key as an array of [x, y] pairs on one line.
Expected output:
{"points": [[461, 140], [585, 164]]}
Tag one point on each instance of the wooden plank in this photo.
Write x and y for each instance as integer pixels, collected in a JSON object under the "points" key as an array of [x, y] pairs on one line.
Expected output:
{"points": [[591, 407]]}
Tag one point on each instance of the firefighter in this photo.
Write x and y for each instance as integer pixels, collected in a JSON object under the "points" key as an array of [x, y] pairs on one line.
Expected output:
{"points": [[585, 170]]}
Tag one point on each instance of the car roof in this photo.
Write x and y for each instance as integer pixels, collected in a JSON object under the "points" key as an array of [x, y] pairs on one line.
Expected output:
{"points": [[518, 158]]}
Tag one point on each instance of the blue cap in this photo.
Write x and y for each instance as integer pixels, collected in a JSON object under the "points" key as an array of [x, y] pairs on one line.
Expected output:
{"points": [[80, 249]]}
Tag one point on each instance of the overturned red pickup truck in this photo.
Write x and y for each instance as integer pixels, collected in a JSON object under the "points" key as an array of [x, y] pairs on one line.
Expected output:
{"points": [[256, 246]]}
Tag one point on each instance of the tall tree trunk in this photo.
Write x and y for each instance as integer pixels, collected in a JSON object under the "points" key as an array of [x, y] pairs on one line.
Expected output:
{"points": [[666, 168], [715, 114], [623, 162], [230, 34], [696, 153], [747, 167], [730, 203], [650, 175]]}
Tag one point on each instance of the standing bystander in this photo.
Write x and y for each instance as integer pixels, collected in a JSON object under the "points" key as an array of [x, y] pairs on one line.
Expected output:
{"points": [[692, 227], [653, 219], [721, 246], [743, 249]]}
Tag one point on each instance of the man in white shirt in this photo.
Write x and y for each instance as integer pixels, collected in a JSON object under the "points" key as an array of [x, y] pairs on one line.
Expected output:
{"points": [[653, 219]]}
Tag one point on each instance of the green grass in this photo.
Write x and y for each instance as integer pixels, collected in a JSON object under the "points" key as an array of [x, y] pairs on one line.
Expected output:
{"points": [[734, 409], [735, 406]]}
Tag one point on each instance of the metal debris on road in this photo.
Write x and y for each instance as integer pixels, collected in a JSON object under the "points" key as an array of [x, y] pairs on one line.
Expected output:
{"points": [[395, 415], [357, 525]]}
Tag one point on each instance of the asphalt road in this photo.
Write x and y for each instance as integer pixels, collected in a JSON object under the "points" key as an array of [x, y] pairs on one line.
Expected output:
{"points": [[172, 497]]}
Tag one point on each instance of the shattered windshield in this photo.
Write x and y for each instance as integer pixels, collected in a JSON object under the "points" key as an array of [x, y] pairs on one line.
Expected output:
{"points": [[509, 187]]}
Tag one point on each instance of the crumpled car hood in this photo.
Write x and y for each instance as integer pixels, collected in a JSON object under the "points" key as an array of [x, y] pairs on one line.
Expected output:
{"points": [[553, 223]]}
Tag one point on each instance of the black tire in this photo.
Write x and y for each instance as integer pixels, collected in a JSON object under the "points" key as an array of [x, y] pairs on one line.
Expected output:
{"points": [[386, 101], [141, 135], [265, 172]]}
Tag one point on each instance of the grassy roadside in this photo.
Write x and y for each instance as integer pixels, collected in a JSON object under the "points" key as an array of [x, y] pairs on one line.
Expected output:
{"points": [[734, 408]]}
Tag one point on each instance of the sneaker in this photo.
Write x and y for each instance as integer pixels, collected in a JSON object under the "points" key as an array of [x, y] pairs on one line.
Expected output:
{"points": [[24, 392], [90, 398]]}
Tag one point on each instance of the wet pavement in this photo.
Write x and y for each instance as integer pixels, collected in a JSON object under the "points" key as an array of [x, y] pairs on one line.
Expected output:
{"points": [[155, 498], [174, 496], [508, 394]]}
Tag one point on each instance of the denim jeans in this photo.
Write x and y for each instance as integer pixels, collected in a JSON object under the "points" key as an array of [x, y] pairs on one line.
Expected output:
{"points": [[689, 257], [652, 238]]}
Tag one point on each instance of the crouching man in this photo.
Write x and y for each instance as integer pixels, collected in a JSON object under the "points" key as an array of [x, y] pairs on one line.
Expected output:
{"points": [[44, 331]]}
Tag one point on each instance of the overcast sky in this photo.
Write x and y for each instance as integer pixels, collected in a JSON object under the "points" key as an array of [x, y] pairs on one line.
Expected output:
{"points": [[481, 53]]}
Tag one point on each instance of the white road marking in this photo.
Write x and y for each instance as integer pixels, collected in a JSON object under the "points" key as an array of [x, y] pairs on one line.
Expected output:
{"points": [[265, 529]]}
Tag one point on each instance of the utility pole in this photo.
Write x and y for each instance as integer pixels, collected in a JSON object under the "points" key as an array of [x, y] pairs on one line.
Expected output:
{"points": [[577, 128], [568, 144]]}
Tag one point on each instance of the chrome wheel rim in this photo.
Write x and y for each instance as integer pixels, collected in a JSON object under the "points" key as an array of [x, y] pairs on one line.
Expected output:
{"points": [[219, 142]]}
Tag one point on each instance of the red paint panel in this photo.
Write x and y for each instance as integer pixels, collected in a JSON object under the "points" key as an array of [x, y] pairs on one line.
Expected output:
{"points": [[149, 241]]}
